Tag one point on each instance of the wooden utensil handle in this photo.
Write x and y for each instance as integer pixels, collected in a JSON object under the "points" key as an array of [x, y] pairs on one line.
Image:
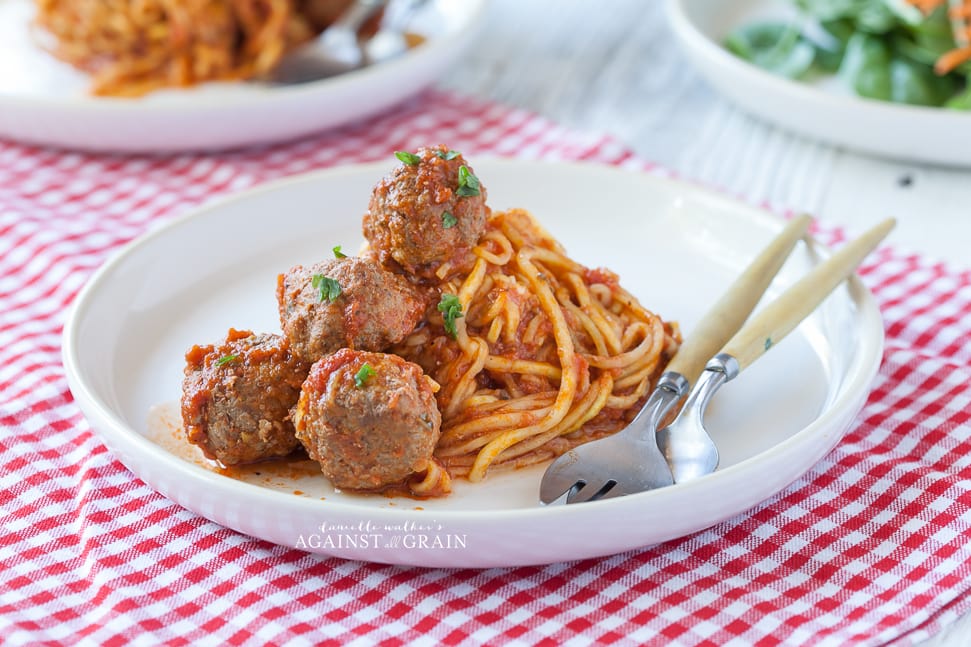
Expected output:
{"points": [[777, 319], [734, 307]]}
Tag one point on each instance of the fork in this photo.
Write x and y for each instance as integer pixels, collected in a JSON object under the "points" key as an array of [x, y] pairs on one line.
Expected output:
{"points": [[340, 48], [685, 443], [630, 460], [335, 51]]}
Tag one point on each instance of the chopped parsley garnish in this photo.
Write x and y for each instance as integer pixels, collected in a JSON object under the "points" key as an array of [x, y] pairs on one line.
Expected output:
{"points": [[448, 220], [448, 155], [363, 375], [338, 253], [226, 359], [408, 158], [468, 183], [329, 288], [451, 309]]}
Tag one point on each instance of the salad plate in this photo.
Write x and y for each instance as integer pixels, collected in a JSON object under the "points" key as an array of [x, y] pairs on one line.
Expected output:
{"points": [[821, 109]]}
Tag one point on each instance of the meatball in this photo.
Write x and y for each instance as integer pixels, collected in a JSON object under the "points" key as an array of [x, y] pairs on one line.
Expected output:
{"points": [[346, 303], [427, 215], [369, 419], [237, 397]]}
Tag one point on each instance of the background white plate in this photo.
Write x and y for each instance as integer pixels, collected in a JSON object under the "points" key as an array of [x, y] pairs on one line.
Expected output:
{"points": [[45, 101], [935, 135], [677, 247]]}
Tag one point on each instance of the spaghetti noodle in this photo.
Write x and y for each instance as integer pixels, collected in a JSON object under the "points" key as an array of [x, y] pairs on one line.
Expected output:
{"points": [[132, 47], [479, 346], [546, 355]]}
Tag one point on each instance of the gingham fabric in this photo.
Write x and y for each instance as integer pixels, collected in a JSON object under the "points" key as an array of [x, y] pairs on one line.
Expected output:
{"points": [[872, 546]]}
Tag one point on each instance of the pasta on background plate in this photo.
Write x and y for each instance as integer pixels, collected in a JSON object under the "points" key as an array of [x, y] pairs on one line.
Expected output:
{"points": [[133, 47]]}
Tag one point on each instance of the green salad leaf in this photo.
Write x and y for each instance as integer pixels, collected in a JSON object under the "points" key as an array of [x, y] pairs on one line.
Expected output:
{"points": [[866, 66], [775, 47], [830, 9], [830, 41], [916, 84], [962, 100], [875, 18], [881, 49]]}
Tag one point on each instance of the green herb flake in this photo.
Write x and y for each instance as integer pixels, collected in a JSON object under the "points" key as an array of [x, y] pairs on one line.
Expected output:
{"points": [[338, 253], [448, 155], [226, 359], [451, 309], [468, 183], [448, 220], [364, 374], [408, 158], [329, 288], [768, 343]]}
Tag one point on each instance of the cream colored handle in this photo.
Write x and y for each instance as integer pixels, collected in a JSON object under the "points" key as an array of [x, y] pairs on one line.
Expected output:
{"points": [[734, 307], [776, 320]]}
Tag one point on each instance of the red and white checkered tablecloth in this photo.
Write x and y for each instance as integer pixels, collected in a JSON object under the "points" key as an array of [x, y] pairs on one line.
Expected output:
{"points": [[872, 546]]}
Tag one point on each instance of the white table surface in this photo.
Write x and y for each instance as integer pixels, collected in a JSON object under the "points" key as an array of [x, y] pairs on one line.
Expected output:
{"points": [[614, 67]]}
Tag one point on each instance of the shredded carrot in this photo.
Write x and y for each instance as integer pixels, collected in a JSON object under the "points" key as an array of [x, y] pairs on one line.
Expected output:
{"points": [[950, 60], [926, 6]]}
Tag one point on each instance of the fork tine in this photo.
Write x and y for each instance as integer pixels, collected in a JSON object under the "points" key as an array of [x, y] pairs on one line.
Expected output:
{"points": [[560, 500], [590, 492], [630, 459], [562, 479]]}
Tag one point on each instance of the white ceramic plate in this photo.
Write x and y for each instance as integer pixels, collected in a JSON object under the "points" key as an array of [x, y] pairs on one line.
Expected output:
{"points": [[820, 111], [45, 101], [674, 245]]}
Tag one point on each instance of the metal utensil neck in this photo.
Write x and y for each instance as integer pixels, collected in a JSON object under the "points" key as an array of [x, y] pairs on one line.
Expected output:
{"points": [[724, 363], [674, 382]]}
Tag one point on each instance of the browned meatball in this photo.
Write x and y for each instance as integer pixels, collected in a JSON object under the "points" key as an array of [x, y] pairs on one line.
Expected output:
{"points": [[427, 215], [368, 428], [345, 303], [237, 396]]}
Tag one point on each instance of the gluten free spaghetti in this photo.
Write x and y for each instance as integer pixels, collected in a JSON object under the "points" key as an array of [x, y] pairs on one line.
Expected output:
{"points": [[547, 353], [132, 47], [459, 342]]}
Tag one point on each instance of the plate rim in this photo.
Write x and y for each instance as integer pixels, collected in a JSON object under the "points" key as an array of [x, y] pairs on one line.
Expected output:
{"points": [[109, 105], [193, 121], [699, 46], [686, 26]]}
